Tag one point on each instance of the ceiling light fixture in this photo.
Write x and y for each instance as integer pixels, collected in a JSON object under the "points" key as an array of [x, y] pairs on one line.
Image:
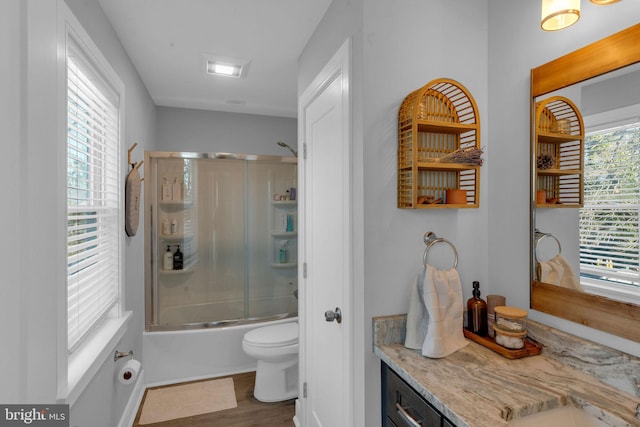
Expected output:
{"points": [[559, 14], [220, 69], [604, 2], [226, 66]]}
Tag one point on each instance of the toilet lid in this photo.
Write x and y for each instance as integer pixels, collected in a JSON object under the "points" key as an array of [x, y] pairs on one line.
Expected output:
{"points": [[273, 336]]}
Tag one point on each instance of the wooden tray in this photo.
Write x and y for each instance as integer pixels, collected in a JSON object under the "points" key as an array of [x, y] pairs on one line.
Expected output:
{"points": [[531, 348]]}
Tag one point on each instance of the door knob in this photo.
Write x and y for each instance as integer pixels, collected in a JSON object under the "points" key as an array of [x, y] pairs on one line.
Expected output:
{"points": [[331, 315]]}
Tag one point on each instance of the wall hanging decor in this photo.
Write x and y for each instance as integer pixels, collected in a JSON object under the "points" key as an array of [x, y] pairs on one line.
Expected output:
{"points": [[133, 184]]}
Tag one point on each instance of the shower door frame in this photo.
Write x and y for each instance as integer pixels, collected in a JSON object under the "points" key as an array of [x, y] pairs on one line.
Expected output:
{"points": [[151, 299]]}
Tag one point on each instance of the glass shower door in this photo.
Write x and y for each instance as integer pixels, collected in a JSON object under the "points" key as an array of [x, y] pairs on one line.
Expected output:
{"points": [[223, 218]]}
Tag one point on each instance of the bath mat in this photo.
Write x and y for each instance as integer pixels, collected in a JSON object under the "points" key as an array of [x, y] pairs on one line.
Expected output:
{"points": [[180, 401]]}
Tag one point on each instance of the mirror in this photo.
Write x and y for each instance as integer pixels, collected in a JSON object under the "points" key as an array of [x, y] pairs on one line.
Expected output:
{"points": [[562, 181]]}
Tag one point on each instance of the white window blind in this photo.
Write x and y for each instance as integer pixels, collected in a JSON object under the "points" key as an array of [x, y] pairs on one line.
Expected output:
{"points": [[610, 218], [93, 197]]}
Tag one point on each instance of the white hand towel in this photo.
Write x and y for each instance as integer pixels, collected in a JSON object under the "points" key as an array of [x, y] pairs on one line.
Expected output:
{"points": [[443, 300], [557, 271], [434, 320], [417, 318]]}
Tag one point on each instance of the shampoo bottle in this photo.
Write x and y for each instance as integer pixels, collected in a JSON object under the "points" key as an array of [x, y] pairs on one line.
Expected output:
{"points": [[283, 251], [289, 228], [477, 312], [178, 259], [166, 189], [176, 190], [167, 259], [166, 227]]}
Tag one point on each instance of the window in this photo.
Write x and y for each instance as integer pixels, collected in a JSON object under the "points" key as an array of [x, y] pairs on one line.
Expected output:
{"points": [[94, 202], [610, 218]]}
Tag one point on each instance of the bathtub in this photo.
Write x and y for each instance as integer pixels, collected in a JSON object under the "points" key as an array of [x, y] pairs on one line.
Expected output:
{"points": [[211, 349]]}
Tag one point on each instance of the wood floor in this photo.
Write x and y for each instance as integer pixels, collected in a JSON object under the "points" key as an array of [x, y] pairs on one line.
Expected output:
{"points": [[249, 413]]}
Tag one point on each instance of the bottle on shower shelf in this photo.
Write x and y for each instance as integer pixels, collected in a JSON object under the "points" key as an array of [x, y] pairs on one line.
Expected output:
{"points": [[289, 228], [166, 189], [167, 260], [284, 253], [178, 259]]}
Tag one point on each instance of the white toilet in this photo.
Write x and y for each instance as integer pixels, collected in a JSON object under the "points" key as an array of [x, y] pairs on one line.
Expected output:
{"points": [[276, 348]]}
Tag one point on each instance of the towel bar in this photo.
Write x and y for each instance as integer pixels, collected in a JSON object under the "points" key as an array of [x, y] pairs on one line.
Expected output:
{"points": [[431, 239]]}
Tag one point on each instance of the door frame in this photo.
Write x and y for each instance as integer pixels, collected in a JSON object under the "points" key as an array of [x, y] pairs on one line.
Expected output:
{"points": [[338, 67]]}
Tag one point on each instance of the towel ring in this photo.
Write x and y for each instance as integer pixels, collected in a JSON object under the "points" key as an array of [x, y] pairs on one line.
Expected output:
{"points": [[431, 239], [540, 236]]}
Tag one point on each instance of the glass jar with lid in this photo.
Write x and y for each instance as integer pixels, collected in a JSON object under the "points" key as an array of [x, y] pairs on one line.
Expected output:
{"points": [[511, 319]]}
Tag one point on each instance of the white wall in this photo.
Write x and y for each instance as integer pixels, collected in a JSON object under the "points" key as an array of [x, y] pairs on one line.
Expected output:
{"points": [[33, 284], [181, 129]]}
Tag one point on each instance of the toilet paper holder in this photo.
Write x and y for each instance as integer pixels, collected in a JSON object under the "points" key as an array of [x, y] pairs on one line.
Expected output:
{"points": [[120, 354]]}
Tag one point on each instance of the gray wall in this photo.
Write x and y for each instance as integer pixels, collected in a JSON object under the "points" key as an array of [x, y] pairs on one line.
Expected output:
{"points": [[104, 399], [343, 20], [516, 44], [392, 57], [181, 129], [13, 146], [490, 47], [34, 287]]}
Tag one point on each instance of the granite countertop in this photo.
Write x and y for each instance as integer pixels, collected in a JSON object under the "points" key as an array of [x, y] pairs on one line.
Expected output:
{"points": [[476, 387]]}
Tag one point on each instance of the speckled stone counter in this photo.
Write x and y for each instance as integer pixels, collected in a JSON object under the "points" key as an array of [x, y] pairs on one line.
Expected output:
{"points": [[476, 387]]}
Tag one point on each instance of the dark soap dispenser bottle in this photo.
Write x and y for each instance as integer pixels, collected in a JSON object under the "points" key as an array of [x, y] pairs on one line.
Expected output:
{"points": [[477, 312], [178, 259]]}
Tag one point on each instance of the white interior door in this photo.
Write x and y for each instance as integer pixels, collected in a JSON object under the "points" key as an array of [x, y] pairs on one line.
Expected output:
{"points": [[326, 349]]}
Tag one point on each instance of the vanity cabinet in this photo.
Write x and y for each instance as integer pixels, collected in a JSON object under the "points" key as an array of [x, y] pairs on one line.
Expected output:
{"points": [[434, 121], [559, 154], [402, 406]]}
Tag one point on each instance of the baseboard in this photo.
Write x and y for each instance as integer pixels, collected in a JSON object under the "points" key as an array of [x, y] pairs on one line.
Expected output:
{"points": [[131, 410], [201, 377], [296, 421]]}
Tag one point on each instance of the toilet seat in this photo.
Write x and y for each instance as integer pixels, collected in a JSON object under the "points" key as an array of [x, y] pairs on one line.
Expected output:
{"points": [[281, 335]]}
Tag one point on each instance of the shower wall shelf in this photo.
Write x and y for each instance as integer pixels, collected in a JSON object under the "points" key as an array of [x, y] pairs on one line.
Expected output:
{"points": [[281, 209], [176, 204], [186, 270], [433, 121], [559, 135], [284, 234], [284, 264]]}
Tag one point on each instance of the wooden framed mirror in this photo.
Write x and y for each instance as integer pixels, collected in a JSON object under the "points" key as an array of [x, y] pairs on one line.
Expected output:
{"points": [[613, 316]]}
